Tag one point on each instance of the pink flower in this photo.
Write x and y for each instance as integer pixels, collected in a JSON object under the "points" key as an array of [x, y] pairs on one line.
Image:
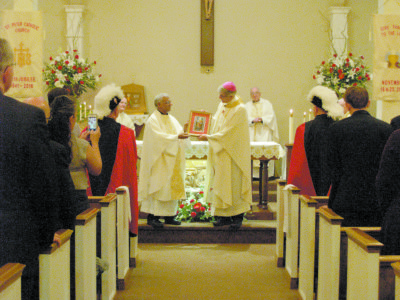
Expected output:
{"points": [[193, 214], [182, 206], [67, 62], [359, 77], [191, 201]]}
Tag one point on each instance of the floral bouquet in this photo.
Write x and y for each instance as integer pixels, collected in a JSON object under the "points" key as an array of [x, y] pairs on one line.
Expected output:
{"points": [[70, 71], [194, 209], [341, 72]]}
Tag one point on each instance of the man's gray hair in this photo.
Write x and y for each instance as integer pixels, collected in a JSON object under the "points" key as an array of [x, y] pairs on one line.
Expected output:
{"points": [[225, 92], [159, 98], [6, 54]]}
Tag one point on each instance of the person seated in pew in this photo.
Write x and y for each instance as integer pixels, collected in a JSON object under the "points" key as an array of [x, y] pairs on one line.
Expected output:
{"points": [[388, 189], [162, 167], [118, 152], [354, 153], [309, 169], [28, 202]]}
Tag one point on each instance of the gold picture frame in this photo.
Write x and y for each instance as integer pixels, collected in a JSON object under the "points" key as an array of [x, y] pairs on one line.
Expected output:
{"points": [[136, 101], [199, 123]]}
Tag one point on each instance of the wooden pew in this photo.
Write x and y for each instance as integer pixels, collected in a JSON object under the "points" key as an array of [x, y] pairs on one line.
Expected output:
{"points": [[292, 236], [369, 274], [396, 269], [10, 281], [54, 269], [108, 241], [280, 235], [123, 212], [309, 241]]}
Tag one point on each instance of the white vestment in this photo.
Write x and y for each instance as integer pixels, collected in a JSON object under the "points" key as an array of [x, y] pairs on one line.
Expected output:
{"points": [[262, 132], [162, 166], [125, 120], [228, 183]]}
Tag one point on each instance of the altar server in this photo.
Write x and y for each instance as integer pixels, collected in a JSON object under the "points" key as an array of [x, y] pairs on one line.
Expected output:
{"points": [[162, 166], [309, 165], [228, 184]]}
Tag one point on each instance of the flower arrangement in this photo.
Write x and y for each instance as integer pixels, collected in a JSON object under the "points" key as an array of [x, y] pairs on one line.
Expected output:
{"points": [[341, 72], [70, 71], [194, 209]]}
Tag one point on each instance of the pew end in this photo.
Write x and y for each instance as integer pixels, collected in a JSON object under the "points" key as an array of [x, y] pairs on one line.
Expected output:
{"points": [[10, 281], [280, 215]]}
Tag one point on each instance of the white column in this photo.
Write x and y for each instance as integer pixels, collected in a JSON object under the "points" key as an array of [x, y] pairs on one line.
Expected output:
{"points": [[74, 27], [339, 29]]}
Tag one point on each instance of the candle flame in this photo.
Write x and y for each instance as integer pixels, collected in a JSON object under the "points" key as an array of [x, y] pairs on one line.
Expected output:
{"points": [[291, 112]]}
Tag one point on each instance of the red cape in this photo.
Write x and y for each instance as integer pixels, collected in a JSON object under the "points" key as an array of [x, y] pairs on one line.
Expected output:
{"points": [[299, 173], [124, 173]]}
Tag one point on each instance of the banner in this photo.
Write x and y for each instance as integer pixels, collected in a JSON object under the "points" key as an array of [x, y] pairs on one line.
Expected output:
{"points": [[386, 75], [24, 31]]}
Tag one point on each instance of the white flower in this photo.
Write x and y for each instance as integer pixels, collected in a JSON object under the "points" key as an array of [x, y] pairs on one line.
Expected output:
{"points": [[320, 80], [59, 84], [342, 90]]}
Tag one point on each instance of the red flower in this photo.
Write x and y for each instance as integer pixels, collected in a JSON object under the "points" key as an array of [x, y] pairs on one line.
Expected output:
{"points": [[341, 76], [67, 62], [362, 57], [330, 70], [355, 84], [347, 65], [81, 82], [323, 62], [357, 69], [55, 79], [94, 62], [191, 201], [182, 206], [335, 55], [99, 75], [347, 59], [177, 212], [201, 192], [193, 214], [74, 67], [350, 54], [47, 82], [333, 65], [52, 71], [362, 67], [75, 50], [314, 77], [197, 206], [60, 67], [359, 77], [79, 70], [67, 52], [77, 56], [340, 71], [51, 58], [202, 208], [318, 72]]}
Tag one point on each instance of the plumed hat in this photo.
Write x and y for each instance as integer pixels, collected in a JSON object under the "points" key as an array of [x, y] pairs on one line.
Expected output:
{"points": [[107, 99], [325, 98], [229, 86]]}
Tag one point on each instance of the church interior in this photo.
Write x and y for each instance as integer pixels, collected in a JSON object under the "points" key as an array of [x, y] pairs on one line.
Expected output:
{"points": [[273, 45]]}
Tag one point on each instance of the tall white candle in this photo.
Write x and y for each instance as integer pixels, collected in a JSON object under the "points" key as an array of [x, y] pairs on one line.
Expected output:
{"points": [[291, 135], [304, 117], [80, 112], [84, 108], [90, 109], [309, 114]]}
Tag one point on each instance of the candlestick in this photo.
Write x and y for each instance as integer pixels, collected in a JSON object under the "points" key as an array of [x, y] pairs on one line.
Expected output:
{"points": [[309, 114], [304, 117], [84, 107], [291, 136]]}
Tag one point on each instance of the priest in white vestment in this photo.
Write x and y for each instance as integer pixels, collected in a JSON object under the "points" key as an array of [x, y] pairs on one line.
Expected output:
{"points": [[162, 166], [228, 183], [262, 123], [123, 118]]}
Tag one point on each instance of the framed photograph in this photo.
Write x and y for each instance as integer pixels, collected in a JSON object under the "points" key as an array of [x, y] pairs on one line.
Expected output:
{"points": [[199, 122], [134, 94]]}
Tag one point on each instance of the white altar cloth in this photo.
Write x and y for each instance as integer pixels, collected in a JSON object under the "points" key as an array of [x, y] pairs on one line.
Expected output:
{"points": [[139, 120], [259, 150]]}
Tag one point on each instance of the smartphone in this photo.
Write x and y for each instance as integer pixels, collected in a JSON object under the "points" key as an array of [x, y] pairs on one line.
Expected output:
{"points": [[92, 122]]}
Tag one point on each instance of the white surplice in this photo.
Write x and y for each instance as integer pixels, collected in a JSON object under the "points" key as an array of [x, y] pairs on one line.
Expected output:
{"points": [[162, 166], [228, 184]]}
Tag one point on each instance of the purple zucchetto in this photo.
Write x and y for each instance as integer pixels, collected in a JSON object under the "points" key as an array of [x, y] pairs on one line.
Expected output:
{"points": [[229, 86]]}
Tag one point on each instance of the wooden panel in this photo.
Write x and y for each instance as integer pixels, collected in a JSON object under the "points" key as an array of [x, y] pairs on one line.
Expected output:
{"points": [[207, 37]]}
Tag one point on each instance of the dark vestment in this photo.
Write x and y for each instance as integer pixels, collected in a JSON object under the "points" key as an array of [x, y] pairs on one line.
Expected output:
{"points": [[388, 189], [355, 148], [308, 165], [28, 203], [118, 152], [316, 147]]}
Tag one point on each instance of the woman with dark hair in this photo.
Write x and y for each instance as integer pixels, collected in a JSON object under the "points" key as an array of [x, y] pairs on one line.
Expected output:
{"points": [[118, 151], [83, 155]]}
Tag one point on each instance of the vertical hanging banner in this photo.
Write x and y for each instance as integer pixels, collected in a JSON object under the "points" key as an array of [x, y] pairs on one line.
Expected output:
{"points": [[24, 31], [386, 75]]}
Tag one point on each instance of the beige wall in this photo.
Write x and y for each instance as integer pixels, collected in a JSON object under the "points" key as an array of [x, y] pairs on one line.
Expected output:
{"points": [[274, 45]]}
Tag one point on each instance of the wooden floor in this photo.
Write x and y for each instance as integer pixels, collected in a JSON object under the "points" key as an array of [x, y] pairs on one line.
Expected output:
{"points": [[207, 271]]}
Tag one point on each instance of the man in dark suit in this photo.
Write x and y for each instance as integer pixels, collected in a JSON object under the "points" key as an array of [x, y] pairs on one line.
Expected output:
{"points": [[355, 148], [28, 210]]}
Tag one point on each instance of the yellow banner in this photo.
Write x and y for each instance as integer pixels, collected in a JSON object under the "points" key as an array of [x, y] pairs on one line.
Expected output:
{"points": [[24, 31], [386, 75]]}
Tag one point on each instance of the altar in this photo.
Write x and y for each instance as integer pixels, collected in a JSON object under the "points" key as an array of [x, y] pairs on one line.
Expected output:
{"points": [[264, 151]]}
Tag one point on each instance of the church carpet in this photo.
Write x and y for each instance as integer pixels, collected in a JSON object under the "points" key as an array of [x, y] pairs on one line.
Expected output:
{"points": [[207, 272]]}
